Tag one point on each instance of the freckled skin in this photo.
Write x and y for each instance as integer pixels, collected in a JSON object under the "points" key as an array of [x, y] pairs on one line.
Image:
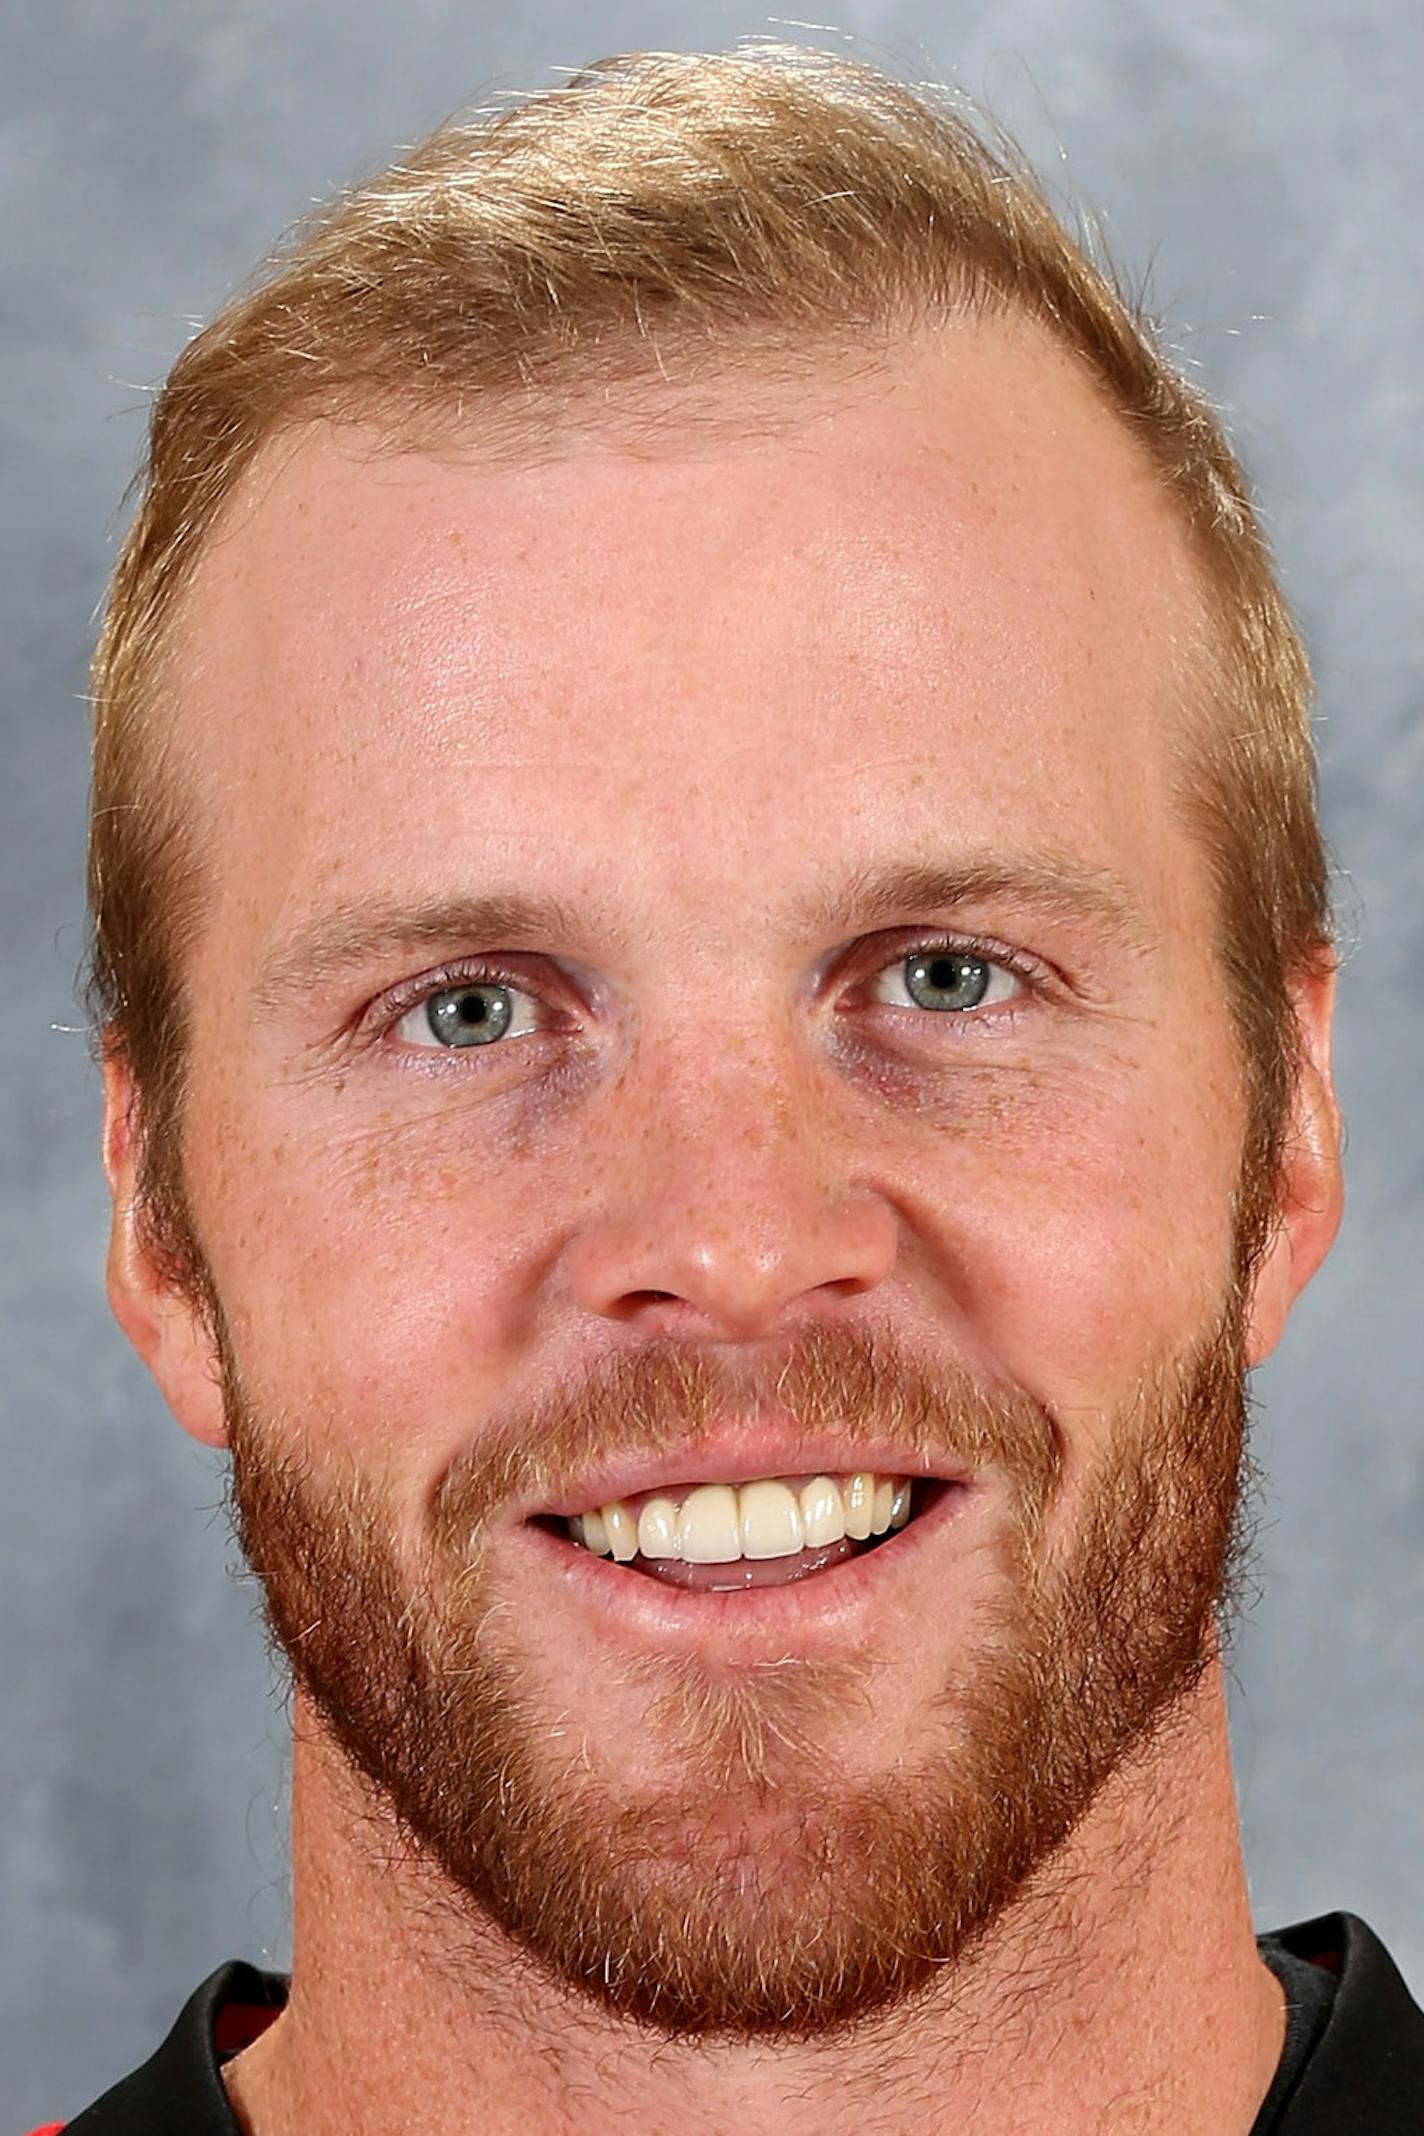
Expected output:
{"points": [[683, 691]]}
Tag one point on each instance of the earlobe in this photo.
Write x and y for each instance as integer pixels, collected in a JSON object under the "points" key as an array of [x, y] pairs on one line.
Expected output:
{"points": [[165, 1326], [1310, 1191]]}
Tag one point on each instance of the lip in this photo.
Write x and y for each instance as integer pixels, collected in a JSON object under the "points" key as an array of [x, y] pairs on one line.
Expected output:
{"points": [[836, 1603], [741, 1452]]}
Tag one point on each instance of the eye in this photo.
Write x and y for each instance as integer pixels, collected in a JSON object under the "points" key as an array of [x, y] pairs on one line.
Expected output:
{"points": [[947, 976], [475, 1012]]}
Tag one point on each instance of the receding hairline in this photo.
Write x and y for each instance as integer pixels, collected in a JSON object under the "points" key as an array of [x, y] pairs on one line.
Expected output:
{"points": [[762, 391], [753, 395]]}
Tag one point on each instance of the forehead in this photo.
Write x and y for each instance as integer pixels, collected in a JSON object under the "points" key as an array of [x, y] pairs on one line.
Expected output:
{"points": [[939, 601]]}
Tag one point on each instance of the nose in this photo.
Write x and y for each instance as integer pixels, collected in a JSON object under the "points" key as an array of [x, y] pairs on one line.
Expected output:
{"points": [[729, 1209]]}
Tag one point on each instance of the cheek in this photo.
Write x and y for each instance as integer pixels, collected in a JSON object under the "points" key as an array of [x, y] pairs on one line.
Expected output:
{"points": [[365, 1278], [1083, 1225]]}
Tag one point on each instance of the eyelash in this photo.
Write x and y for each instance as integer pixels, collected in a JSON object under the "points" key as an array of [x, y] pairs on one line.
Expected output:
{"points": [[384, 1015]]}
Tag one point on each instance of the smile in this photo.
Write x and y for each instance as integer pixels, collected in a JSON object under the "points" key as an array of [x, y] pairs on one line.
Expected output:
{"points": [[770, 1531]]}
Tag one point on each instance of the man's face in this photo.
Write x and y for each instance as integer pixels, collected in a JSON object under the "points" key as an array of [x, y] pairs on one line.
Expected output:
{"points": [[736, 1161]]}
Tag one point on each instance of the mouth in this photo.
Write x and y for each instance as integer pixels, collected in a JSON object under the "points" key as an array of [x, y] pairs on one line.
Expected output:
{"points": [[768, 1531]]}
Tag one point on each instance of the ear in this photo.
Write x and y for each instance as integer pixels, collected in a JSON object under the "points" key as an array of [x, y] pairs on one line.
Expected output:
{"points": [[166, 1327], [1310, 1193]]}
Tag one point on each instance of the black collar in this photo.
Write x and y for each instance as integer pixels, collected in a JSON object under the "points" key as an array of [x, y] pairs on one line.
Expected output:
{"points": [[1366, 2072], [179, 2091]]}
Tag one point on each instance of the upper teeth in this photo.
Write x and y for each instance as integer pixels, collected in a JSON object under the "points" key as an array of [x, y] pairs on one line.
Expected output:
{"points": [[713, 1523]]}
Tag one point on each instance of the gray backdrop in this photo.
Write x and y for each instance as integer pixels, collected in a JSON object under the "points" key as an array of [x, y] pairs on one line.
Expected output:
{"points": [[1267, 156]]}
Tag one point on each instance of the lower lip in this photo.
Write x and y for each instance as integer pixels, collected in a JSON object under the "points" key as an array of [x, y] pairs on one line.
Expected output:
{"points": [[829, 1601]]}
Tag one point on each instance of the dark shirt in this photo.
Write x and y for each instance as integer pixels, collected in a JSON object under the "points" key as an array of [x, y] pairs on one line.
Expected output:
{"points": [[1352, 2065]]}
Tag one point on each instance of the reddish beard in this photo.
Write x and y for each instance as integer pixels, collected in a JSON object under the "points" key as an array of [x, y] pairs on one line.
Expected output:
{"points": [[763, 1892]]}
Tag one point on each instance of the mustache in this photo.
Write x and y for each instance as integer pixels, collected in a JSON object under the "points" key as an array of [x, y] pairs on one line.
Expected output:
{"points": [[661, 1396]]}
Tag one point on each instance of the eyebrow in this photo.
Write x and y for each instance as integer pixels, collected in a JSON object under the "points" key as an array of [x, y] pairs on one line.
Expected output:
{"points": [[1050, 886], [360, 934], [354, 936]]}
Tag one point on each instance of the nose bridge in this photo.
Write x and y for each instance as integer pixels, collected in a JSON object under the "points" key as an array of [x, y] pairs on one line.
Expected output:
{"points": [[726, 1191]]}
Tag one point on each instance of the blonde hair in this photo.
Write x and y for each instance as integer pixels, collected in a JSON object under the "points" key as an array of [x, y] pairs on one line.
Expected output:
{"points": [[658, 217]]}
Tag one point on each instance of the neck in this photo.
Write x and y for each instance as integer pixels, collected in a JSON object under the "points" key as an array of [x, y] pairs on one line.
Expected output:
{"points": [[1127, 1991]]}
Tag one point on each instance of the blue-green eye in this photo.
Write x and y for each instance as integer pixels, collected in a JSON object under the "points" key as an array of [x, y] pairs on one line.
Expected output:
{"points": [[952, 979], [474, 1013]]}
